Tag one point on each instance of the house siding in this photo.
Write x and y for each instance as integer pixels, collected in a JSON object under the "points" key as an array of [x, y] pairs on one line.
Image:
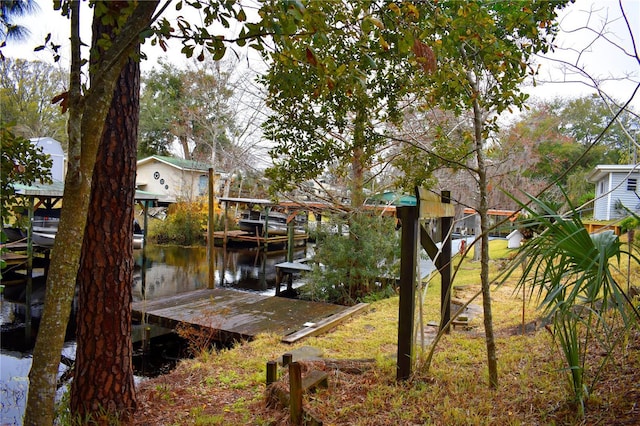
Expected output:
{"points": [[172, 183], [54, 150], [600, 210], [612, 188]]}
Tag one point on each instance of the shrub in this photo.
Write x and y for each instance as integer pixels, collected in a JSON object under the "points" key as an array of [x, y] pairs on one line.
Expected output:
{"points": [[185, 225], [350, 268]]}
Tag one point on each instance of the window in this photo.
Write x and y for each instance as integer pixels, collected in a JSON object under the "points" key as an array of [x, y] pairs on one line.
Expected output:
{"points": [[632, 184], [203, 183]]}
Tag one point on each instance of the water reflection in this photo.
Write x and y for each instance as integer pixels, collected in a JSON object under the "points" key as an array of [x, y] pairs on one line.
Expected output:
{"points": [[170, 270]]}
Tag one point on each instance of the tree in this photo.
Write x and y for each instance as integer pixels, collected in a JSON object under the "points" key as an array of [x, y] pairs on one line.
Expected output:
{"points": [[127, 24], [552, 145], [21, 163], [26, 91], [87, 114], [9, 30], [161, 121], [330, 92], [105, 287], [208, 108], [484, 52]]}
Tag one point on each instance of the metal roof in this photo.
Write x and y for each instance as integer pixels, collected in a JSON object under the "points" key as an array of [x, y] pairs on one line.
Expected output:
{"points": [[56, 190], [179, 163], [602, 170], [247, 200], [53, 190], [393, 198]]}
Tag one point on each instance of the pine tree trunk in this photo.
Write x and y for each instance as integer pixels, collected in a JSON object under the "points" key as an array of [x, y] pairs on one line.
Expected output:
{"points": [[103, 379], [85, 130]]}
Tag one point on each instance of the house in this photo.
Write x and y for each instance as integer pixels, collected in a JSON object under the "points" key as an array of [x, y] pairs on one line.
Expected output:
{"points": [[615, 184], [514, 239], [175, 179], [53, 148]]}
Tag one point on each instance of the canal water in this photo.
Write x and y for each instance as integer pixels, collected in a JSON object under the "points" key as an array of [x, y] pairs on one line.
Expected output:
{"points": [[160, 271]]}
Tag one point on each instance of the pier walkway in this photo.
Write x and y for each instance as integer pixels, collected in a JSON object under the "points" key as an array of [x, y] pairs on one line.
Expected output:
{"points": [[235, 314]]}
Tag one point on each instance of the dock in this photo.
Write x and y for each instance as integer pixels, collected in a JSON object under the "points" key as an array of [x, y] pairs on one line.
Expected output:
{"points": [[239, 237], [243, 315], [286, 270]]}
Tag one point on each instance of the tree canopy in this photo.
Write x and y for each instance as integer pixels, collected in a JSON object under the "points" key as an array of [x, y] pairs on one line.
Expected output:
{"points": [[26, 92]]}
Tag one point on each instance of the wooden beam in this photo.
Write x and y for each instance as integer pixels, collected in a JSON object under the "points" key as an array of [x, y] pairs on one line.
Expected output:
{"points": [[432, 205], [324, 325], [427, 243], [210, 226], [444, 267]]}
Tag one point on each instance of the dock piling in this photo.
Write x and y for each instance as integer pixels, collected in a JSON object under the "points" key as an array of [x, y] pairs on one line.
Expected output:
{"points": [[272, 372]]}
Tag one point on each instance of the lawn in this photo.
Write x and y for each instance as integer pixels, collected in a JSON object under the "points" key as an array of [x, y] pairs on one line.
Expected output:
{"points": [[228, 387]]}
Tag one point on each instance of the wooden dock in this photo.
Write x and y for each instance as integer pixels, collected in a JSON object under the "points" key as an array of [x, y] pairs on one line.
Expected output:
{"points": [[244, 238], [242, 315]]}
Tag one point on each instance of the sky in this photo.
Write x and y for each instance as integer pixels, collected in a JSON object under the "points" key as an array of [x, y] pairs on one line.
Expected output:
{"points": [[606, 51], [609, 60]]}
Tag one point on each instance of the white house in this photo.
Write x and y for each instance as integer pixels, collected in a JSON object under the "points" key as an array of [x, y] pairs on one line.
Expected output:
{"points": [[615, 184], [174, 179], [52, 148], [514, 239]]}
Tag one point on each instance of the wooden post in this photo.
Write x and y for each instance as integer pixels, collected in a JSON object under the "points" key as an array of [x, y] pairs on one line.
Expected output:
{"points": [[278, 280], [408, 216], [29, 287], [432, 207], [444, 267], [272, 372], [286, 359], [265, 231], [290, 235], [146, 339], [295, 390], [210, 242], [145, 222], [143, 270]]}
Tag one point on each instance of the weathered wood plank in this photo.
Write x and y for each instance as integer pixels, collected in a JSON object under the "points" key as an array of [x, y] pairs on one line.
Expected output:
{"points": [[315, 379], [325, 324], [431, 205]]}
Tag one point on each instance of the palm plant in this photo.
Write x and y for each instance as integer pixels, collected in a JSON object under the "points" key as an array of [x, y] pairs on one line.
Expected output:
{"points": [[571, 274], [9, 10]]}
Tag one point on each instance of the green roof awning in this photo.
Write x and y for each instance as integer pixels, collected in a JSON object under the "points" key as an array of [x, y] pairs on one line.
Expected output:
{"points": [[392, 198]]}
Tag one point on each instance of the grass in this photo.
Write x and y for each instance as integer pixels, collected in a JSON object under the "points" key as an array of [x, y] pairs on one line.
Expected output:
{"points": [[227, 387]]}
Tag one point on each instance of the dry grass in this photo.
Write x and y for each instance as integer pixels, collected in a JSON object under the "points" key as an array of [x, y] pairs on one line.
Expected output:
{"points": [[228, 388]]}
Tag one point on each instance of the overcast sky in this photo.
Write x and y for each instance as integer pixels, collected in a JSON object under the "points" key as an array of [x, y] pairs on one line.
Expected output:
{"points": [[602, 59]]}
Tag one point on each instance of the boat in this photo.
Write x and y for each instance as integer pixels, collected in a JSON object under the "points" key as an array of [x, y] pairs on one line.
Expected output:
{"points": [[13, 234], [44, 232], [253, 222], [46, 239], [43, 239], [138, 241]]}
